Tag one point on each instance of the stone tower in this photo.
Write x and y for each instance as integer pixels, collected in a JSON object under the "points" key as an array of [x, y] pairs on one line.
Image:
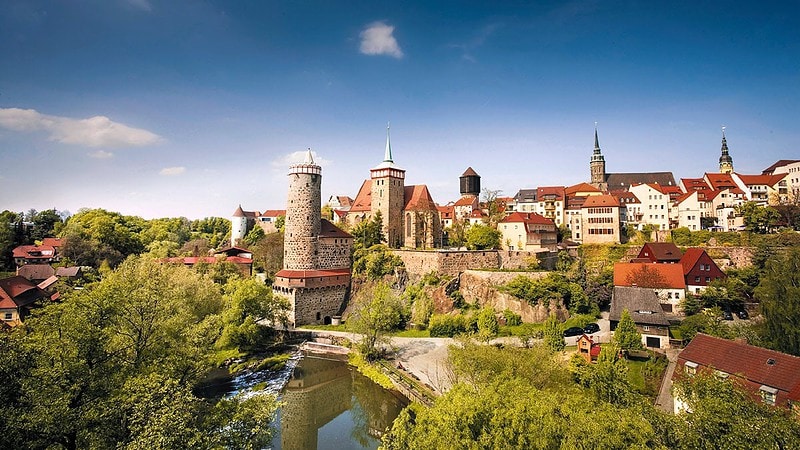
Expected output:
{"points": [[470, 183], [239, 226], [597, 165], [388, 195], [303, 213], [316, 259], [725, 160]]}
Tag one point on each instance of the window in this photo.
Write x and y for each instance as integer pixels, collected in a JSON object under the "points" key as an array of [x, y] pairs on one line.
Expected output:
{"points": [[697, 279], [645, 328], [768, 394], [8, 316], [690, 367]]}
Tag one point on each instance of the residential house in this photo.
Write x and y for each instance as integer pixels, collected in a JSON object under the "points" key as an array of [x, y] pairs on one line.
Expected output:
{"points": [[790, 185], [763, 189], [654, 206], [241, 258], [645, 310], [446, 215], [660, 252], [766, 375], [17, 297], [528, 231], [665, 280], [687, 211], [699, 270], [35, 254], [268, 220], [551, 202], [526, 201], [633, 207], [601, 220]]}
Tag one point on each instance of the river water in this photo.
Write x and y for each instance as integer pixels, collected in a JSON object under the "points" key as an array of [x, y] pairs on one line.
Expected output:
{"points": [[327, 404]]}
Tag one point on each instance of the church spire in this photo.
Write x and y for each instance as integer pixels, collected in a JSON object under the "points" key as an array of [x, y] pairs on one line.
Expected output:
{"points": [[388, 155], [309, 157], [725, 160], [597, 165]]}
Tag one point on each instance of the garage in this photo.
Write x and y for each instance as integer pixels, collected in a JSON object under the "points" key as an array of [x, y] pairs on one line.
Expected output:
{"points": [[653, 342]]}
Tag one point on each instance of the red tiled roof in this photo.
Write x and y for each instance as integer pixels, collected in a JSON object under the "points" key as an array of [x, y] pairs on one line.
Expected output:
{"points": [[594, 201], [17, 291], [690, 258], [34, 252], [329, 230], [626, 197], [191, 260], [558, 191], [36, 271], [768, 180], [747, 361], [53, 242], [418, 198], [274, 213], [695, 184], [469, 173], [661, 252], [671, 275], [527, 218], [363, 201], [344, 200], [580, 187], [466, 200], [286, 273], [720, 180]]}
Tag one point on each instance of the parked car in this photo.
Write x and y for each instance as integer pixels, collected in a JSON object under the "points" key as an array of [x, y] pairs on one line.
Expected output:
{"points": [[742, 314], [591, 328], [573, 331], [726, 314]]}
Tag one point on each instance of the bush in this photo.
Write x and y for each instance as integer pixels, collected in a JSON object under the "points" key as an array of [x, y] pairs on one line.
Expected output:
{"points": [[442, 325], [512, 319]]}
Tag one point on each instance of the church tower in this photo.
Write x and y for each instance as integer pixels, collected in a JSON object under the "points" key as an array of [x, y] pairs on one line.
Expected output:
{"points": [[725, 160], [388, 195], [597, 165]]}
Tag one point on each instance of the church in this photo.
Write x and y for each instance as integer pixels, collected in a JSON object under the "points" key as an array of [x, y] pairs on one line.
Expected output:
{"points": [[410, 216]]}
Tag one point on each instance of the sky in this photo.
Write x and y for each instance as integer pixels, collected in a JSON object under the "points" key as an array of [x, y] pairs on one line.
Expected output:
{"points": [[167, 108]]}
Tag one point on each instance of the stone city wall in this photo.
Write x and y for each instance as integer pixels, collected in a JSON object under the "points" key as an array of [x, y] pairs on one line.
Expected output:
{"points": [[453, 262], [334, 255]]}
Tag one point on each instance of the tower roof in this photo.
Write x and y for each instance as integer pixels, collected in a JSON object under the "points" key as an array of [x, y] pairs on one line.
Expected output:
{"points": [[469, 173], [387, 163], [596, 155], [725, 158], [308, 166], [239, 212]]}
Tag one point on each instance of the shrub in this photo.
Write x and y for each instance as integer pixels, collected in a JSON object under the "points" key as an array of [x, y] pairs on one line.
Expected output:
{"points": [[442, 325], [512, 319]]}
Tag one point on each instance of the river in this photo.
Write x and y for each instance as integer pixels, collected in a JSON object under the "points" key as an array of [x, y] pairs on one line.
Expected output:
{"points": [[326, 404]]}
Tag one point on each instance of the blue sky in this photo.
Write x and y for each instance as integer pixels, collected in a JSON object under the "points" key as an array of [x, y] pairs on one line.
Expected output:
{"points": [[189, 108]]}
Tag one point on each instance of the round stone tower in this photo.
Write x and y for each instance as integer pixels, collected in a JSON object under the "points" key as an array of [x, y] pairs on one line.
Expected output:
{"points": [[470, 182], [302, 227], [238, 226]]}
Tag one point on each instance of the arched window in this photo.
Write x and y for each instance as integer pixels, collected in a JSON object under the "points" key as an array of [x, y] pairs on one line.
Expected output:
{"points": [[408, 224]]}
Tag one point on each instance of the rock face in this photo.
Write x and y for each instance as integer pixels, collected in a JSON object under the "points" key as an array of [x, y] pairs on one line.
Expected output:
{"points": [[481, 287]]}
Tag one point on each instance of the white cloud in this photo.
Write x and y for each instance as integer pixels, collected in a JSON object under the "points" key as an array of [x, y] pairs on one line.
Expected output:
{"points": [[101, 154], [377, 39], [144, 5], [172, 171], [283, 162], [97, 131]]}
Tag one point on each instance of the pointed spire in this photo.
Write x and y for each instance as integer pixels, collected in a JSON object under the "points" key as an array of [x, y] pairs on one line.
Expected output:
{"points": [[725, 160], [309, 157], [388, 155], [596, 141]]}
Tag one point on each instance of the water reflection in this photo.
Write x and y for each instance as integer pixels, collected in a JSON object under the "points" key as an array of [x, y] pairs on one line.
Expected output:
{"points": [[327, 404]]}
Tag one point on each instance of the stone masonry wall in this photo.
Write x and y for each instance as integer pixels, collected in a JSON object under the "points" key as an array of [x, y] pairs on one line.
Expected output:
{"points": [[453, 262], [308, 302], [334, 255]]}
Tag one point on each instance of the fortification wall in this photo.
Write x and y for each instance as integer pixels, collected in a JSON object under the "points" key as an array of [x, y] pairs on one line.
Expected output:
{"points": [[453, 262]]}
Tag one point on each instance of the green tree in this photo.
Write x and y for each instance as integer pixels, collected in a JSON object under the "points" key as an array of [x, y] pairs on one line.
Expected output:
{"points": [[494, 208], [626, 337], [249, 303], [608, 379], [44, 224], [483, 237], [488, 327], [368, 232], [375, 262], [376, 311], [757, 218], [779, 293], [457, 233], [553, 336], [255, 235]]}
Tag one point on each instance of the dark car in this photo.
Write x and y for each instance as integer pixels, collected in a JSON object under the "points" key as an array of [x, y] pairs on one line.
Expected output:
{"points": [[742, 314], [591, 328], [573, 331], [726, 314]]}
